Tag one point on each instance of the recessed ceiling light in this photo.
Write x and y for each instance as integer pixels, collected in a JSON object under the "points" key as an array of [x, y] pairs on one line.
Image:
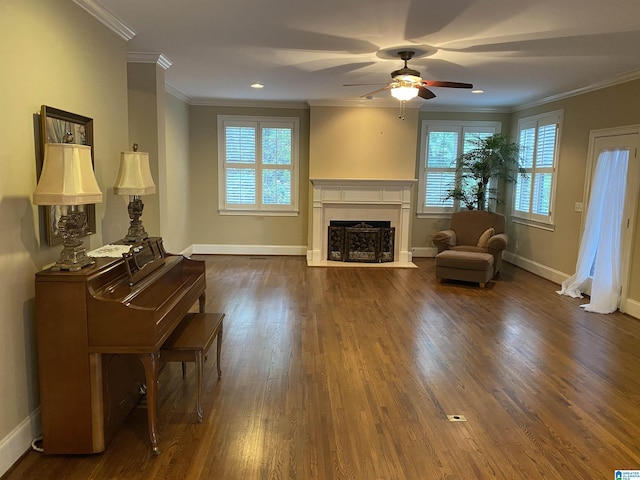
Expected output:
{"points": [[257, 85], [477, 90]]}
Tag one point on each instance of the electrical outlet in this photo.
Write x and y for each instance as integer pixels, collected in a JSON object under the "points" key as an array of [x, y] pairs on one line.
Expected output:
{"points": [[578, 207]]}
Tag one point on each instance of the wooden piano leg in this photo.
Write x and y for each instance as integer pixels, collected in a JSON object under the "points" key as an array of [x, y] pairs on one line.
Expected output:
{"points": [[150, 363]]}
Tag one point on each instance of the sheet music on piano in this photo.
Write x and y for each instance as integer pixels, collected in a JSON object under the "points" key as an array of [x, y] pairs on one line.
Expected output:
{"points": [[144, 258], [109, 251], [140, 259]]}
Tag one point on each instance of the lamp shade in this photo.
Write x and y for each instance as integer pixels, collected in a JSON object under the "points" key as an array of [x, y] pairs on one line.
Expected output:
{"points": [[67, 176], [404, 92], [134, 176]]}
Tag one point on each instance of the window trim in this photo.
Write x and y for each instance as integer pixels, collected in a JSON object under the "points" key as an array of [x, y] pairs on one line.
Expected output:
{"points": [[529, 218], [422, 211], [259, 122]]}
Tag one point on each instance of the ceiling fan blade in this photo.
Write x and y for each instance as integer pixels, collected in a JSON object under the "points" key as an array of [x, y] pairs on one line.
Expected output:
{"points": [[425, 93], [371, 94], [438, 83]]}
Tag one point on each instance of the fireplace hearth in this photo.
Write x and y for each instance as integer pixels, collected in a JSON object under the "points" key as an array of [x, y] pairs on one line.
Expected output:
{"points": [[361, 241]]}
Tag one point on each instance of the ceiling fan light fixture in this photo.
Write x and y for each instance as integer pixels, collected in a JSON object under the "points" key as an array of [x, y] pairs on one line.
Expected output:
{"points": [[407, 83], [404, 92], [411, 79]]}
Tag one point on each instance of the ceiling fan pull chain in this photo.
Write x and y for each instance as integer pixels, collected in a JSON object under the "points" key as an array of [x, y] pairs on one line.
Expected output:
{"points": [[402, 106]]}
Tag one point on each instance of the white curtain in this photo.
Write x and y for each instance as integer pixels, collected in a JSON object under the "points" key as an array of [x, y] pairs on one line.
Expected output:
{"points": [[602, 237]]}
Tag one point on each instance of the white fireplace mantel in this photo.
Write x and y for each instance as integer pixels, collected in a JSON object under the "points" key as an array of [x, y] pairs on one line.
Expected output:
{"points": [[360, 199]]}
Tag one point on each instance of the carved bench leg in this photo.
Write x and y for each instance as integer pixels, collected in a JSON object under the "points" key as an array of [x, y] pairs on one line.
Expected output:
{"points": [[200, 372], [192, 344], [218, 348]]}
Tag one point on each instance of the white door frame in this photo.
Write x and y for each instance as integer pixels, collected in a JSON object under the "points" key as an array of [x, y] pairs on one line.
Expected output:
{"points": [[631, 199]]}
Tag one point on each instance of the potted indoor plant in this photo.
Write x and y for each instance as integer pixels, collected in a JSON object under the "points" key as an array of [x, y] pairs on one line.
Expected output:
{"points": [[492, 158]]}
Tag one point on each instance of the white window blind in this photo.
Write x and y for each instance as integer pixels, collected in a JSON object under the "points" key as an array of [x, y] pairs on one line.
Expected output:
{"points": [[440, 171], [240, 148], [534, 193], [440, 144], [258, 165]]}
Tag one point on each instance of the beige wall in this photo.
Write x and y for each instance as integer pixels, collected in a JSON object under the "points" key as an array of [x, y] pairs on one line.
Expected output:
{"points": [[56, 54], [207, 225], [558, 250], [176, 226], [159, 123], [146, 100], [362, 142]]}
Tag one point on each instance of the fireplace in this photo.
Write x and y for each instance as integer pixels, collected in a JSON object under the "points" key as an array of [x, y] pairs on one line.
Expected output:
{"points": [[357, 200], [370, 242]]}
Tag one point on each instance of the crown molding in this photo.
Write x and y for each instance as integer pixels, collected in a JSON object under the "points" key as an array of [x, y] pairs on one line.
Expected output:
{"points": [[220, 102], [351, 103], [610, 82], [147, 57], [462, 109], [107, 18], [363, 102], [423, 106], [170, 89]]}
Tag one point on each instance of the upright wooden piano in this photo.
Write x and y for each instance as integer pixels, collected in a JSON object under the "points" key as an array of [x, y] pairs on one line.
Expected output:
{"points": [[98, 332]]}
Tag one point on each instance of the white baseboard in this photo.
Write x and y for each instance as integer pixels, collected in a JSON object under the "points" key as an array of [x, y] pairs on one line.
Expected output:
{"points": [[424, 252], [14, 445], [249, 249], [524, 263], [631, 307], [543, 271]]}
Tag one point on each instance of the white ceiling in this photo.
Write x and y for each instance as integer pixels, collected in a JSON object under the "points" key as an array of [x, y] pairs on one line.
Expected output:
{"points": [[517, 51]]}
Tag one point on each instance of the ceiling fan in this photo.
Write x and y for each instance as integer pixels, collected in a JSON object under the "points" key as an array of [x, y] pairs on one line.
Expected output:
{"points": [[406, 83]]}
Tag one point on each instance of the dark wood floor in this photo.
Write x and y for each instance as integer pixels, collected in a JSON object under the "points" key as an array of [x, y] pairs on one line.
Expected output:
{"points": [[350, 373]]}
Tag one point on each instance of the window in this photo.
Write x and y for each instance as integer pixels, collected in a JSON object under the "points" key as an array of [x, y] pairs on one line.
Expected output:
{"points": [[440, 144], [535, 192], [258, 165]]}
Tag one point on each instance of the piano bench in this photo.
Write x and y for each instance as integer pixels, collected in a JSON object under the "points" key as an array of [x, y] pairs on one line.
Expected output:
{"points": [[190, 342]]}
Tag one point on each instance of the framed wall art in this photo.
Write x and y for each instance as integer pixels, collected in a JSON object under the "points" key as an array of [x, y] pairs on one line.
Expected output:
{"points": [[58, 126]]}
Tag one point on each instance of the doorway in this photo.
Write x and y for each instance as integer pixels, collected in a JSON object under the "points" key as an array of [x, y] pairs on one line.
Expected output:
{"points": [[624, 138]]}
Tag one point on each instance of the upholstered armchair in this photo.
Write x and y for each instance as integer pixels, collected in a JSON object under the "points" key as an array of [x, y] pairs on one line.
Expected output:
{"points": [[475, 231]]}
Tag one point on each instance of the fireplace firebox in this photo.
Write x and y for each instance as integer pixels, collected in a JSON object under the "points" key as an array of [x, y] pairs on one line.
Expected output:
{"points": [[361, 241]]}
